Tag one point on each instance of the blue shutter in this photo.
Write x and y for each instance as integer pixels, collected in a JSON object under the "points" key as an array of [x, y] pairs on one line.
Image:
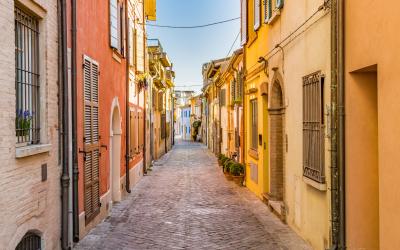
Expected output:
{"points": [[267, 10], [279, 4], [114, 24]]}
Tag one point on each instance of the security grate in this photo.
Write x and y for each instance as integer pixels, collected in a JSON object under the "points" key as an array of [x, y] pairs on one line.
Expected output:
{"points": [[313, 127], [27, 78]]}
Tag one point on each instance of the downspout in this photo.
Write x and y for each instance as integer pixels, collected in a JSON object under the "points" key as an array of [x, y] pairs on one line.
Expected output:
{"points": [[127, 117], [337, 127], [65, 179], [75, 204], [165, 127], [144, 98], [341, 124]]}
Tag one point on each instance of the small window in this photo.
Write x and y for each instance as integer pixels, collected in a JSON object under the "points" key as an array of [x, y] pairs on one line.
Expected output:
{"points": [[30, 241], [254, 124], [27, 78]]}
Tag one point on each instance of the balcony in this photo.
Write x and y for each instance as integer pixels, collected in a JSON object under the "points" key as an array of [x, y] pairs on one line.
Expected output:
{"points": [[165, 60]]}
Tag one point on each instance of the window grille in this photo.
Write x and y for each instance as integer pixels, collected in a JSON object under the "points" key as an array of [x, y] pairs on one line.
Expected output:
{"points": [[313, 127], [27, 78], [254, 124], [30, 241]]}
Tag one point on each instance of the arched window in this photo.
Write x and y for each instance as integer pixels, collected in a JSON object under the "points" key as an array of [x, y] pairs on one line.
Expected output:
{"points": [[30, 241]]}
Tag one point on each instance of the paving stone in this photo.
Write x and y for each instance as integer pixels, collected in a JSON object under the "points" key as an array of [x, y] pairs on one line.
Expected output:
{"points": [[186, 203]]}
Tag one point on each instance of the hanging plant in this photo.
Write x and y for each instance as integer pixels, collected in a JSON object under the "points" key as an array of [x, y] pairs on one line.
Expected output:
{"points": [[141, 81]]}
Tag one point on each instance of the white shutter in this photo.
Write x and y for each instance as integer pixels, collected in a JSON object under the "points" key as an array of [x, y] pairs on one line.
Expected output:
{"points": [[244, 21], [256, 14], [114, 34]]}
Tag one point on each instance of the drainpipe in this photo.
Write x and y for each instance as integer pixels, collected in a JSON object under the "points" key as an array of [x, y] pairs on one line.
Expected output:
{"points": [[165, 127], [337, 127], [144, 133], [75, 204], [65, 179], [127, 120], [341, 124]]}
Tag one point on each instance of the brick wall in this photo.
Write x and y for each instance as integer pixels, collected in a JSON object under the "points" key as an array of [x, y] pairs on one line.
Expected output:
{"points": [[27, 203]]}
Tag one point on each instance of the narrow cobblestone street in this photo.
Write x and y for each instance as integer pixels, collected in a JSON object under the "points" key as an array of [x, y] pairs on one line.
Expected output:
{"points": [[186, 203]]}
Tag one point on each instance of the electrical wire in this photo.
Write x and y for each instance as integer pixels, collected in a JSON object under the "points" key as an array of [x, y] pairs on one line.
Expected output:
{"points": [[192, 27], [233, 44]]}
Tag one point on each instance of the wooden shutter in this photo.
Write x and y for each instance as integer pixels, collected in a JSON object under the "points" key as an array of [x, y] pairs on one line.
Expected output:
{"points": [[91, 139], [222, 97], [163, 124], [233, 91], [132, 133], [257, 13], [254, 124], [243, 22], [313, 127], [160, 101], [114, 42], [132, 43], [267, 10], [141, 131]]}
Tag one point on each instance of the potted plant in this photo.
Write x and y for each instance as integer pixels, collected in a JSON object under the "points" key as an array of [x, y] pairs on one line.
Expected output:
{"points": [[23, 123], [195, 130], [227, 167], [236, 171]]}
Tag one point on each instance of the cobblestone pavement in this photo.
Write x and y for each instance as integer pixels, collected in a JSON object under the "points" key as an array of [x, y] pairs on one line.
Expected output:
{"points": [[186, 203]]}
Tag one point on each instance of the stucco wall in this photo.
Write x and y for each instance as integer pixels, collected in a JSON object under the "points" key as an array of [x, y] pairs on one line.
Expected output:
{"points": [[27, 203], [307, 208], [372, 41]]}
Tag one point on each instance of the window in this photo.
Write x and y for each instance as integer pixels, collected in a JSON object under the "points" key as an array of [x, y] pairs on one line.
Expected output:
{"points": [[313, 127], [243, 22], [117, 23], [163, 124], [267, 10], [91, 138], [254, 124], [30, 241], [222, 97], [257, 12], [27, 78]]}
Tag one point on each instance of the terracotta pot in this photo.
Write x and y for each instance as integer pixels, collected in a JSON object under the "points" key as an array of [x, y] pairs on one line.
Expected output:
{"points": [[228, 176], [238, 179]]}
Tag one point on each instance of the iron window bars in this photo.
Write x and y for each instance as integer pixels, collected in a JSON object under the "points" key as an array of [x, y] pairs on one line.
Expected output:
{"points": [[27, 78]]}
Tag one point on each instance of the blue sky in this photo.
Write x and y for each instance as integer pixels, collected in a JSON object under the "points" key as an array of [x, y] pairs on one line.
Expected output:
{"points": [[188, 49]]}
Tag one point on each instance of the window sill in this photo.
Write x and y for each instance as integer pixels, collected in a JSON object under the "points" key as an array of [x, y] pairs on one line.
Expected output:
{"points": [[26, 151], [274, 16], [314, 184]]}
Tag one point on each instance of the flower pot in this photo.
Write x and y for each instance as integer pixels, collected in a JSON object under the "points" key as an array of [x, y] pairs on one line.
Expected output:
{"points": [[238, 179], [228, 176]]}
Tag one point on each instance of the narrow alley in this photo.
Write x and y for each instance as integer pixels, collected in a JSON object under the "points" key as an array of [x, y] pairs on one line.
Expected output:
{"points": [[186, 203]]}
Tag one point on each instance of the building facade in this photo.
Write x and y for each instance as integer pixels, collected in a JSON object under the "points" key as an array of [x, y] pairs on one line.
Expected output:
{"points": [[30, 129], [371, 134]]}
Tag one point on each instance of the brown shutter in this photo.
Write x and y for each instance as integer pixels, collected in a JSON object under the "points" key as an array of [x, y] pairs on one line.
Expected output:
{"points": [[136, 139], [244, 21], [141, 132], [132, 133], [91, 138], [160, 101]]}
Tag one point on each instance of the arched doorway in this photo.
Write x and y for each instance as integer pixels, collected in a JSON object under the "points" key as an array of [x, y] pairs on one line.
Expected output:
{"points": [[115, 155], [276, 113]]}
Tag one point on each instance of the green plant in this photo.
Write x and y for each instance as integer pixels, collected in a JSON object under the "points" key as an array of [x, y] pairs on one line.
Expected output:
{"points": [[227, 165], [236, 169], [23, 122]]}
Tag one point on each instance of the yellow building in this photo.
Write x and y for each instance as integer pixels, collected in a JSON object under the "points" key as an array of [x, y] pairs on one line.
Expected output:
{"points": [[254, 35], [161, 110]]}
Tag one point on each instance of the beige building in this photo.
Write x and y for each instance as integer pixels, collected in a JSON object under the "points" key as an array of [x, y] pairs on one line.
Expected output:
{"points": [[298, 68], [372, 134], [30, 167]]}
